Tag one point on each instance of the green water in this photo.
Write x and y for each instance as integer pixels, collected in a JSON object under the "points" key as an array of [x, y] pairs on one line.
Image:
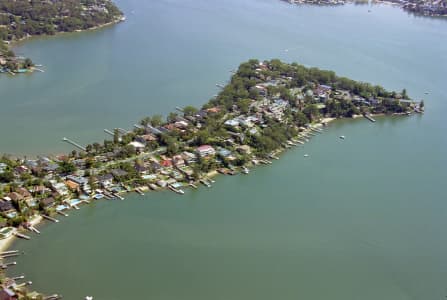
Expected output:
{"points": [[361, 218]]}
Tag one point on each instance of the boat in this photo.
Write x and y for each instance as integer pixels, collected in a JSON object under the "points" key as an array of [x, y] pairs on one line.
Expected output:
{"points": [[306, 155], [342, 137], [245, 170]]}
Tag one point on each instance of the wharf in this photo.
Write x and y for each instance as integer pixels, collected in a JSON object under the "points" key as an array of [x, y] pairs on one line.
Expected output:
{"points": [[50, 218], [369, 118]]}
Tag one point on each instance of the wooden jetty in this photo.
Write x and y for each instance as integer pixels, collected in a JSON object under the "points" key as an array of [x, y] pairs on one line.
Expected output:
{"points": [[118, 196], [9, 252], [21, 235], [62, 213], [50, 218], [73, 143], [6, 265], [369, 118]]}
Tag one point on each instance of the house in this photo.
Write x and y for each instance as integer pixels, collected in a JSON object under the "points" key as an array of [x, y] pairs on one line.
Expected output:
{"points": [[40, 190], [15, 196], [137, 145], [140, 168], [119, 173], [105, 180], [189, 157], [149, 138], [167, 163], [7, 294], [73, 186], [25, 193], [3, 167], [244, 149], [47, 202], [205, 150], [178, 161], [5, 206]]}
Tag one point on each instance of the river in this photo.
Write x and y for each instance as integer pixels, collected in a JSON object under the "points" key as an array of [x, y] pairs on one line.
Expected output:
{"points": [[361, 218]]}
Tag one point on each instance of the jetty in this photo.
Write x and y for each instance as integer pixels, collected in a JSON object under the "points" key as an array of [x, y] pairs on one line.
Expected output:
{"points": [[192, 185], [73, 143], [9, 255], [62, 213], [50, 218], [178, 191], [6, 265], [9, 252], [369, 118], [205, 183], [21, 235], [139, 191], [118, 196]]}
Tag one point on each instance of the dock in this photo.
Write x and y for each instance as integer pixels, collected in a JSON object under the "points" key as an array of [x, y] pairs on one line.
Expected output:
{"points": [[118, 196], [369, 118], [50, 218], [192, 185], [205, 183], [9, 252], [6, 265], [21, 235], [178, 191], [74, 143], [9, 255], [139, 191], [62, 213]]}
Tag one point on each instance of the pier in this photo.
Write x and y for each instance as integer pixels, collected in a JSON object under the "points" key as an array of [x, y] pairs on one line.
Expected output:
{"points": [[62, 213], [369, 118], [21, 235], [50, 218], [6, 265], [74, 143], [118, 196], [9, 252]]}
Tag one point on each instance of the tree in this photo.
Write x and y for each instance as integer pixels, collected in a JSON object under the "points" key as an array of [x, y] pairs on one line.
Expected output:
{"points": [[156, 120], [27, 63], [66, 167], [116, 136], [172, 117], [189, 110]]}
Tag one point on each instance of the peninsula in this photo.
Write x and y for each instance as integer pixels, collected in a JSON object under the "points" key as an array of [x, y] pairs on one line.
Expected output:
{"points": [[432, 8], [266, 108], [22, 19]]}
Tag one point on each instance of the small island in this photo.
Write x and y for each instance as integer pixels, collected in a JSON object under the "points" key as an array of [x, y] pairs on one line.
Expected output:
{"points": [[21, 19], [266, 108]]}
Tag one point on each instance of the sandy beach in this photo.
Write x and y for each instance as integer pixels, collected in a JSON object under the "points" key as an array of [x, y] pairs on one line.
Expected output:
{"points": [[6, 243]]}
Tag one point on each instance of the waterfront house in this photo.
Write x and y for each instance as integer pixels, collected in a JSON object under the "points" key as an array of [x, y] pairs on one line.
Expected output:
{"points": [[105, 180], [47, 202], [59, 187], [148, 138], [205, 150], [73, 186], [7, 294], [138, 146], [3, 167], [140, 168]]}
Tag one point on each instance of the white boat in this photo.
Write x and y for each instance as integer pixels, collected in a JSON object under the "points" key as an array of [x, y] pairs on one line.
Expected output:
{"points": [[245, 170], [342, 137], [88, 298], [306, 155]]}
